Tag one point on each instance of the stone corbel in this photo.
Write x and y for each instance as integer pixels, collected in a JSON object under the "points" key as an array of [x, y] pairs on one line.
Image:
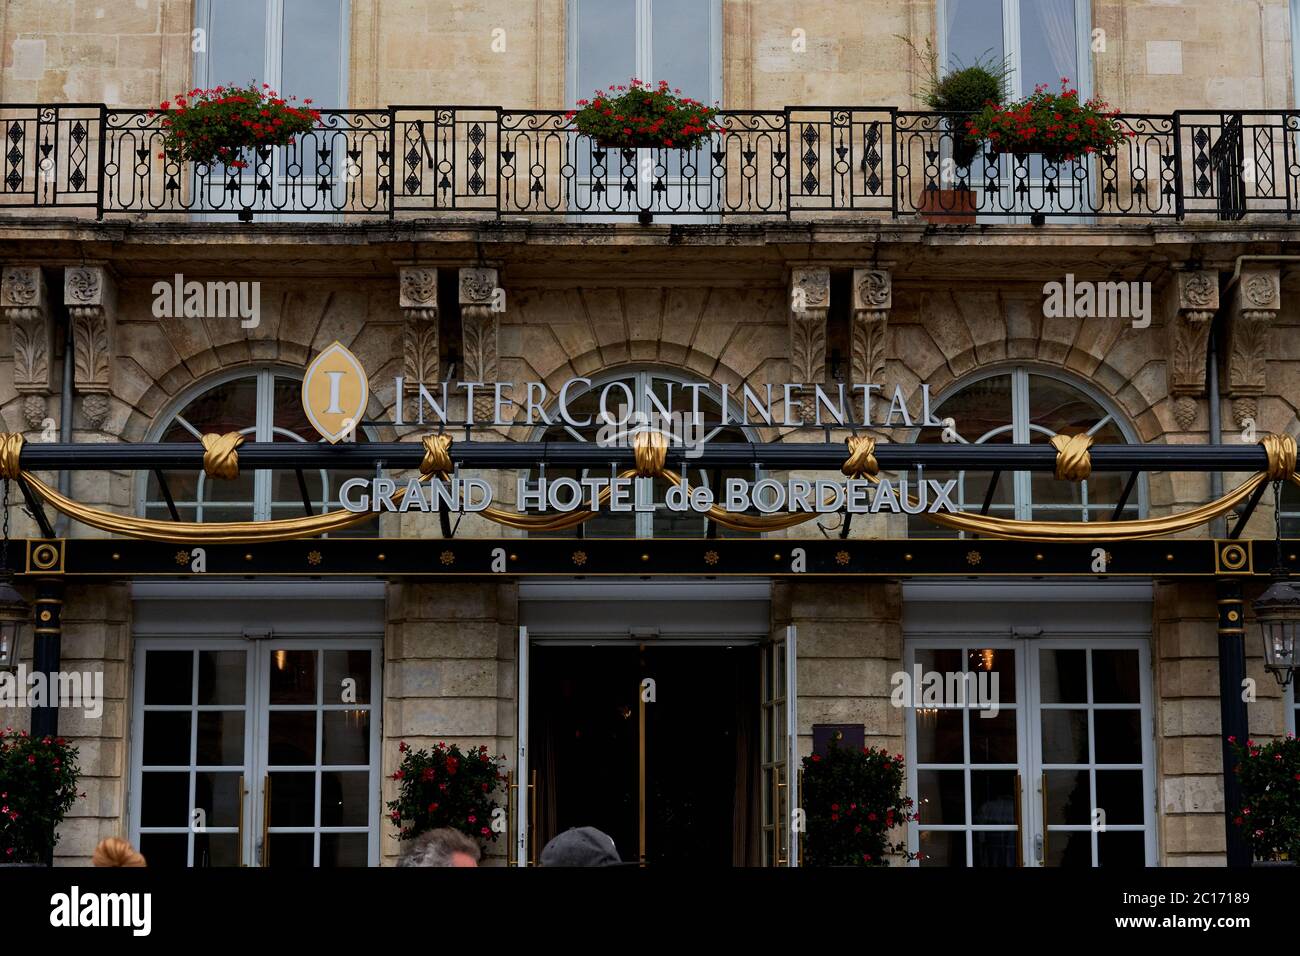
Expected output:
{"points": [[1189, 335], [481, 303], [1254, 310], [91, 298], [873, 297], [418, 298], [810, 301], [25, 303]]}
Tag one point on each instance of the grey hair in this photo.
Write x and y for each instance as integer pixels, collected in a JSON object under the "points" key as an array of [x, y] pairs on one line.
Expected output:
{"points": [[435, 848]]}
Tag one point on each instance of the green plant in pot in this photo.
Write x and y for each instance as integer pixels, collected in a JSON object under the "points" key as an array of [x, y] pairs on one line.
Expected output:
{"points": [[962, 90], [445, 786], [1269, 819], [854, 803], [38, 785]]}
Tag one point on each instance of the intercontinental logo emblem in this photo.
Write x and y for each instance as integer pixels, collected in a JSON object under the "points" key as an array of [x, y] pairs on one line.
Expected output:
{"points": [[335, 392]]}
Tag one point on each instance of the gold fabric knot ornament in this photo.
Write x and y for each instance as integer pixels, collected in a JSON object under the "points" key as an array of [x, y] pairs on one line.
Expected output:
{"points": [[11, 448], [650, 451], [861, 462], [220, 459], [1281, 451], [437, 455], [1072, 460]]}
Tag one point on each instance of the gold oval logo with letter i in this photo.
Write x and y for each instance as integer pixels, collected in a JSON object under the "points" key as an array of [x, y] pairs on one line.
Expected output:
{"points": [[335, 392]]}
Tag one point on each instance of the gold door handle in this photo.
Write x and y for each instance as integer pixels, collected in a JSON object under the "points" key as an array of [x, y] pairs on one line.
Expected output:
{"points": [[511, 793], [266, 820], [242, 793], [532, 819], [1020, 836], [782, 828]]}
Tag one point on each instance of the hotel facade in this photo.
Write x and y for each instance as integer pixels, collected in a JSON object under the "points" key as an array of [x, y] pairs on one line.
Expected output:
{"points": [[443, 223]]}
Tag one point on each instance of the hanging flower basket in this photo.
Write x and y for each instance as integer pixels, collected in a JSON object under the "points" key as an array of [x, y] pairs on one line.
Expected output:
{"points": [[639, 115], [223, 124], [1054, 125]]}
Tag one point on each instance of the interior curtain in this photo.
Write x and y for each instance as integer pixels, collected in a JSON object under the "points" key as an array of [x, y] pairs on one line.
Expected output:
{"points": [[1062, 46]]}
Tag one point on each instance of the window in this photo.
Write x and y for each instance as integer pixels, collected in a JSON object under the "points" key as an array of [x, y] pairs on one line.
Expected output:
{"points": [[297, 46], [642, 397], [1042, 40], [264, 406], [1290, 510], [1020, 406], [611, 41]]}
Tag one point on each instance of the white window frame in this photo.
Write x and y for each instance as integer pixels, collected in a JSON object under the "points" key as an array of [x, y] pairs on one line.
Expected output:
{"points": [[1022, 428]]}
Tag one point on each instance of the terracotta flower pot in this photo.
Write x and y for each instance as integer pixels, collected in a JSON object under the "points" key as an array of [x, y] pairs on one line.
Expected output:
{"points": [[947, 206]]}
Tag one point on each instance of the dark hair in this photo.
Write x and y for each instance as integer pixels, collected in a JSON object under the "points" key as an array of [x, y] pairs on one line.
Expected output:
{"points": [[435, 848]]}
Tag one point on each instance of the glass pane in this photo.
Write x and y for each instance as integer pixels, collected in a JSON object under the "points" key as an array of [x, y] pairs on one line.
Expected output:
{"points": [[606, 44], [165, 849], [215, 849], [346, 737], [994, 848], [164, 799], [1115, 677], [289, 414], [1065, 736], [347, 677], [220, 738], [1048, 43], [291, 737], [344, 801], [1118, 736], [293, 677], [236, 42], [313, 59], [169, 677], [682, 42], [990, 663], [293, 799], [166, 738], [943, 847], [1068, 848], [230, 406], [1063, 676], [1119, 794], [1068, 798], [944, 660], [1123, 848], [344, 849], [974, 30], [993, 796], [291, 849], [217, 795], [222, 675], [941, 796], [939, 736], [992, 738]]}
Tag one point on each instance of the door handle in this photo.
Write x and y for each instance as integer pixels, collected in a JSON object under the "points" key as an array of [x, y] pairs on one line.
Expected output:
{"points": [[266, 821], [1040, 845], [242, 793], [1020, 836]]}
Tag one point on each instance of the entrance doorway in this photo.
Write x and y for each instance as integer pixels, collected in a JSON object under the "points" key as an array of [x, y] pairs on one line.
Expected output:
{"points": [[657, 746]]}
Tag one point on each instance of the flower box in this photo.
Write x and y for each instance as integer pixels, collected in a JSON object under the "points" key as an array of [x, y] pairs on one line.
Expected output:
{"points": [[1054, 125], [639, 116], [225, 123]]}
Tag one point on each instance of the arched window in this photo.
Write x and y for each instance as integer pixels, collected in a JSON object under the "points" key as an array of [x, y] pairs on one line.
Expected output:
{"points": [[643, 395], [1022, 406], [263, 405]]}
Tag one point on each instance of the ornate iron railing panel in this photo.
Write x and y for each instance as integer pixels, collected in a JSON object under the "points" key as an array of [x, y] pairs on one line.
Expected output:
{"points": [[801, 162]]}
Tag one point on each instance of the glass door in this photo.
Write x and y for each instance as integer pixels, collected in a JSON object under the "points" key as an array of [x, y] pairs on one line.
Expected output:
{"points": [[1031, 752], [778, 753], [256, 752]]}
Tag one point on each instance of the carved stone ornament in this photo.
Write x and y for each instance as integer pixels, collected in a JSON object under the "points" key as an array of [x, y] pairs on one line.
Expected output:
{"points": [[418, 288], [477, 286], [90, 296], [873, 297], [810, 288], [1198, 291], [83, 285], [1259, 290], [95, 409], [872, 289], [24, 302]]}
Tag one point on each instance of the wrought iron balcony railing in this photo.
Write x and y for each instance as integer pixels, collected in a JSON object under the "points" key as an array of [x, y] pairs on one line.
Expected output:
{"points": [[797, 163]]}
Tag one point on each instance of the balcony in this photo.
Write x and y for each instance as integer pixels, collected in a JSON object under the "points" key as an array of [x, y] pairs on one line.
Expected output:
{"points": [[801, 163]]}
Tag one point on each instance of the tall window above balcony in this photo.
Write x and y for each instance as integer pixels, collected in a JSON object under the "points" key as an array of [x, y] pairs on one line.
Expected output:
{"points": [[1042, 40], [675, 40], [299, 47]]}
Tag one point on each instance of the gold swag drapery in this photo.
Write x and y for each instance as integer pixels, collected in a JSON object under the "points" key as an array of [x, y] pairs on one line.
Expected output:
{"points": [[220, 461]]}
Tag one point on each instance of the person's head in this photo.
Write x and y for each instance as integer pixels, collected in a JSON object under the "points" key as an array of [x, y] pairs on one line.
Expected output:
{"points": [[441, 847], [581, 846], [114, 851]]}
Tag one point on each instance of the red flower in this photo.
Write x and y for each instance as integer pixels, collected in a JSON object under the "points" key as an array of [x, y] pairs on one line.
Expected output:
{"points": [[402, 748]]}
